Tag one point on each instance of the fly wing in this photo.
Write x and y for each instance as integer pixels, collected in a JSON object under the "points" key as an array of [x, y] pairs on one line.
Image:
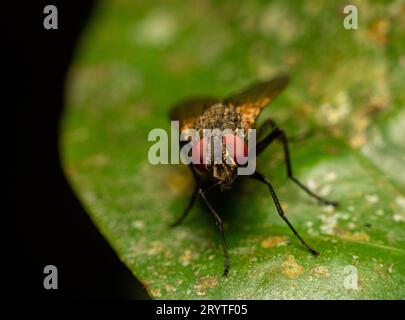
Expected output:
{"points": [[250, 102], [186, 112]]}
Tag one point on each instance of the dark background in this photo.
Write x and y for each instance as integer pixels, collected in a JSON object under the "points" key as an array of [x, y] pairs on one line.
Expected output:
{"points": [[49, 224]]}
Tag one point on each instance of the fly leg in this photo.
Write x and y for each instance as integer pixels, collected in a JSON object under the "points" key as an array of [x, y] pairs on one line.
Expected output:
{"points": [[267, 123], [219, 224], [279, 134], [270, 123], [258, 176]]}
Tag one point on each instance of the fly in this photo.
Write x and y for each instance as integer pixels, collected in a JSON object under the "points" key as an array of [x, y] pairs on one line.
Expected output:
{"points": [[239, 111]]}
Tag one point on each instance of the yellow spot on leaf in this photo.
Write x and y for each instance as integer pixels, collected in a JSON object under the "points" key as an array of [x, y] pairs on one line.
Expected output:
{"points": [[291, 269], [186, 257], [205, 283], [155, 292], [274, 241], [320, 271], [378, 31], [156, 247], [353, 236], [170, 288], [178, 183]]}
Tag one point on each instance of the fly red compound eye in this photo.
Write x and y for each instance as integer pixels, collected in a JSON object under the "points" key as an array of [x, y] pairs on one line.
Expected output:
{"points": [[235, 145]]}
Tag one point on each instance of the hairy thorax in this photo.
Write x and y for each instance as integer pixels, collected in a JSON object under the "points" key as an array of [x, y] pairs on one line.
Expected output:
{"points": [[219, 116]]}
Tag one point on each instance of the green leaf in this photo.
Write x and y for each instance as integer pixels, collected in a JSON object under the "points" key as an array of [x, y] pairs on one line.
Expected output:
{"points": [[346, 97]]}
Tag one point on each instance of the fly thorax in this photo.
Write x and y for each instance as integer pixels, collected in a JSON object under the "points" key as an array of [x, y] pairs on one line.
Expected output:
{"points": [[219, 116]]}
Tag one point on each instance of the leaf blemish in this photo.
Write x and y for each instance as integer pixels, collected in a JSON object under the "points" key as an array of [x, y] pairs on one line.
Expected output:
{"points": [[320, 271], [178, 183], [203, 284], [372, 198], [290, 268], [155, 248], [353, 236], [273, 242], [138, 224], [400, 204], [155, 292], [170, 288], [186, 257]]}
